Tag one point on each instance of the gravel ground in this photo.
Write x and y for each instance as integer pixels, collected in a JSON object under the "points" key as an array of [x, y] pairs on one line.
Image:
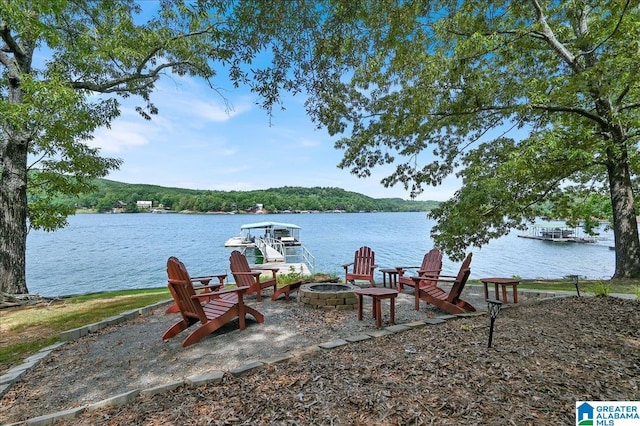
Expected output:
{"points": [[546, 356]]}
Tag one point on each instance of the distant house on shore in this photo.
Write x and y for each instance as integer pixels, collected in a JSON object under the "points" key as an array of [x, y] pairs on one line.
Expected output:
{"points": [[144, 205], [119, 207], [258, 209]]}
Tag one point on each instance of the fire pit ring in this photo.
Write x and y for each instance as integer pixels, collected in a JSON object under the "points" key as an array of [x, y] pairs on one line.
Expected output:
{"points": [[328, 296]]}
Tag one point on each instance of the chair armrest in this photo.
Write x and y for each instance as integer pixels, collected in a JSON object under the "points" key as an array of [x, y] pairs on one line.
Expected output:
{"points": [[252, 273], [200, 287], [400, 268], [239, 290], [213, 287], [274, 271], [208, 278], [429, 272], [234, 290], [346, 265], [436, 278]]}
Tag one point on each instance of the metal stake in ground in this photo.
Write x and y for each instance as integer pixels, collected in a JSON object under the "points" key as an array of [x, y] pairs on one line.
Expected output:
{"points": [[494, 309], [574, 278]]}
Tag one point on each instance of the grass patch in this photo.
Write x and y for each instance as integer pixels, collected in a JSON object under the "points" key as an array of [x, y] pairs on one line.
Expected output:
{"points": [[15, 353], [26, 330]]}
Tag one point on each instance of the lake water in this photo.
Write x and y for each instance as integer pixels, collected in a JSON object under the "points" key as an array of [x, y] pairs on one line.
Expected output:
{"points": [[120, 251]]}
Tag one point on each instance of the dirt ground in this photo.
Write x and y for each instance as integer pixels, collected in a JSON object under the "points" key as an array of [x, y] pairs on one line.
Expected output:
{"points": [[546, 355]]}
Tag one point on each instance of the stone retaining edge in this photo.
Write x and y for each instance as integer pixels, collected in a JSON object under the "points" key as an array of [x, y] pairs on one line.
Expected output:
{"points": [[216, 377]]}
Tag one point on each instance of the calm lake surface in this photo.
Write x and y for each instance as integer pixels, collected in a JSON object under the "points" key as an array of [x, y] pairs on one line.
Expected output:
{"points": [[123, 251]]}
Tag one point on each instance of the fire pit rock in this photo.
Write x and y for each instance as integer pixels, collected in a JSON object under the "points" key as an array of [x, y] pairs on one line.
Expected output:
{"points": [[328, 296]]}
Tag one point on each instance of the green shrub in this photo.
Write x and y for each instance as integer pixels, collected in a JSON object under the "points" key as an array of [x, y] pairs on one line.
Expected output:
{"points": [[602, 288], [290, 277]]}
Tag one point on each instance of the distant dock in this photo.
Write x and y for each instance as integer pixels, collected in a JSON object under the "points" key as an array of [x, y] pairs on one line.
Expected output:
{"points": [[558, 234]]}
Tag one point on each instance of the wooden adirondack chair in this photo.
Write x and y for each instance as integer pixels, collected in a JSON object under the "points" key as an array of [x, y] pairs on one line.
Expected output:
{"points": [[173, 271], [222, 307], [447, 301], [247, 277], [364, 265], [431, 265]]}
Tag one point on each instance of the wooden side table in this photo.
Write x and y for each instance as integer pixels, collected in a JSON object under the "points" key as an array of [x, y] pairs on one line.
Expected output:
{"points": [[393, 277], [503, 282], [377, 294]]}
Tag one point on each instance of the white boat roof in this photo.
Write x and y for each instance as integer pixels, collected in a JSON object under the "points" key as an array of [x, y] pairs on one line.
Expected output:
{"points": [[269, 225]]}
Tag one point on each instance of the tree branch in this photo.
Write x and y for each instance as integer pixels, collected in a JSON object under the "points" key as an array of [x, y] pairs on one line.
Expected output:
{"points": [[12, 44], [630, 106], [578, 111], [593, 49], [5, 60], [548, 35], [112, 86]]}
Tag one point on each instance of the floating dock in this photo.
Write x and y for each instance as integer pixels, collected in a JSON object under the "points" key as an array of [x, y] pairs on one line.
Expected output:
{"points": [[558, 234], [271, 253]]}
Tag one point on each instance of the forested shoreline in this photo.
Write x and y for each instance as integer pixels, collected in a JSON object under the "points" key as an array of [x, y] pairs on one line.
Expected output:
{"points": [[110, 195]]}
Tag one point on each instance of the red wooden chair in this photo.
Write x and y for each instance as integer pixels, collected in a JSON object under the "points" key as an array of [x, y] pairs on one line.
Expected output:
{"points": [[173, 271], [248, 277], [447, 301], [431, 265], [222, 307], [364, 265]]}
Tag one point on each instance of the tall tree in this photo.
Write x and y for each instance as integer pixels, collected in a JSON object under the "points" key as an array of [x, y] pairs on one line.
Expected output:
{"points": [[525, 101], [66, 64]]}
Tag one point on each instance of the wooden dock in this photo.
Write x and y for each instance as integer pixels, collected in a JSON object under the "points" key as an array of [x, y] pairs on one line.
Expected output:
{"points": [[557, 234], [285, 268]]}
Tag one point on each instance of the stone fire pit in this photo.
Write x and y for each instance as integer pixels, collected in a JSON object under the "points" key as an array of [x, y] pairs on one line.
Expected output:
{"points": [[328, 296]]}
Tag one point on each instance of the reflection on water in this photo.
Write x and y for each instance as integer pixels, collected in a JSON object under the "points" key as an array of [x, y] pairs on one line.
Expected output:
{"points": [[118, 251]]}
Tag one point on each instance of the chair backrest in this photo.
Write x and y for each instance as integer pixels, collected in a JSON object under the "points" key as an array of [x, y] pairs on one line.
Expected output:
{"points": [[363, 260], [432, 261], [238, 263], [182, 289], [461, 280]]}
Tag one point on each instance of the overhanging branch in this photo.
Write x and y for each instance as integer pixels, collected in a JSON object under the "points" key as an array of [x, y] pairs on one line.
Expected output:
{"points": [[579, 111], [114, 85]]}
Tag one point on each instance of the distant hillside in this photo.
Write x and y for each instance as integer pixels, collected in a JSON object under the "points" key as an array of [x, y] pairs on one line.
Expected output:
{"points": [[111, 194]]}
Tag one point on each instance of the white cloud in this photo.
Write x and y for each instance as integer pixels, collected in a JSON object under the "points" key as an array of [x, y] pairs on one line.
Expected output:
{"points": [[213, 110], [122, 136], [308, 142]]}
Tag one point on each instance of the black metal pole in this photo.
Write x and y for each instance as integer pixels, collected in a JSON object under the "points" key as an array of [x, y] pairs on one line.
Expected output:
{"points": [[574, 278], [493, 320], [494, 309]]}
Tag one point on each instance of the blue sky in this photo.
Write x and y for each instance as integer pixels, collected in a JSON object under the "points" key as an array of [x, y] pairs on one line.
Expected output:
{"points": [[196, 142]]}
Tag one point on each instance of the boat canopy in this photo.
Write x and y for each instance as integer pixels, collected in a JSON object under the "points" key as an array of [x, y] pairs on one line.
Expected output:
{"points": [[274, 225]]}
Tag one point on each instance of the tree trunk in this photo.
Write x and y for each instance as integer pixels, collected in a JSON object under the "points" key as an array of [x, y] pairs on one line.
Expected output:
{"points": [[625, 221], [13, 216]]}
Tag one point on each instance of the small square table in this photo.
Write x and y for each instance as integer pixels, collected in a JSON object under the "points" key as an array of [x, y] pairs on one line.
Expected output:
{"points": [[504, 282], [377, 294], [393, 277]]}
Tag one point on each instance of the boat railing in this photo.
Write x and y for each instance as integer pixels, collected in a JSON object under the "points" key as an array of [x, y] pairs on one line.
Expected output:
{"points": [[292, 254], [273, 242], [300, 254], [309, 259]]}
